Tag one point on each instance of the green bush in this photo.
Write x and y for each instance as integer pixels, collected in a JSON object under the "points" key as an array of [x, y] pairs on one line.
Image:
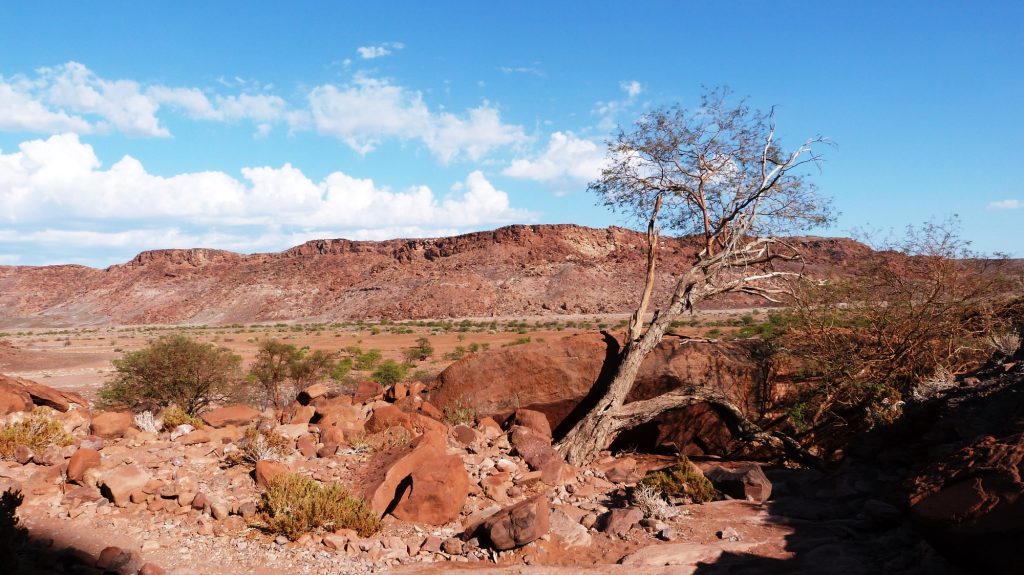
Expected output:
{"points": [[295, 504], [681, 480], [389, 372], [278, 363], [38, 431], [174, 370], [367, 361], [421, 352]]}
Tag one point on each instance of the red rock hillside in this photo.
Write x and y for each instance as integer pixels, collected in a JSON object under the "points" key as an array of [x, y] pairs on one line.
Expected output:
{"points": [[512, 271]]}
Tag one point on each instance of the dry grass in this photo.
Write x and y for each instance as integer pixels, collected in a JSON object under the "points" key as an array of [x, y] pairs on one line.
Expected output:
{"points": [[381, 441], [38, 431], [295, 504]]}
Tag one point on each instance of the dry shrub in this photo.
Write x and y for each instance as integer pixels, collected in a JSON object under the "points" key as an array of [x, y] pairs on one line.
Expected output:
{"points": [[381, 441], [650, 501], [146, 422], [256, 446], [174, 416], [459, 413], [37, 431], [294, 504], [870, 338], [682, 479]]}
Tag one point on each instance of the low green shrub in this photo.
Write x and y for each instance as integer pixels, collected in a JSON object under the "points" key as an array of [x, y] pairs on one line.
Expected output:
{"points": [[294, 504], [174, 416], [459, 413]]}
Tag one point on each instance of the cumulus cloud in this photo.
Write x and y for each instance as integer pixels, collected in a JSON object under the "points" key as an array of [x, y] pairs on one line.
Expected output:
{"points": [[73, 98], [369, 110], [1005, 205], [379, 51], [566, 156], [61, 178]]}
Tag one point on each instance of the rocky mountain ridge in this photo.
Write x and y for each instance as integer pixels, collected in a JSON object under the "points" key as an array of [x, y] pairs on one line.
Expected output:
{"points": [[520, 270]]}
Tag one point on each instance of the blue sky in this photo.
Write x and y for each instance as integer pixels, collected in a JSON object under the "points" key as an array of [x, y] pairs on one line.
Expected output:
{"points": [[254, 126]]}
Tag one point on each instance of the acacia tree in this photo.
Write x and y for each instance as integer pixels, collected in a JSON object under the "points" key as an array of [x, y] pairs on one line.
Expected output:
{"points": [[716, 172]]}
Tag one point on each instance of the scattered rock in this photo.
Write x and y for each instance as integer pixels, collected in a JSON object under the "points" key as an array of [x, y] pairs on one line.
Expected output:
{"points": [[117, 484], [240, 415], [747, 482], [519, 524], [621, 520], [535, 421], [83, 460], [267, 469], [112, 424]]}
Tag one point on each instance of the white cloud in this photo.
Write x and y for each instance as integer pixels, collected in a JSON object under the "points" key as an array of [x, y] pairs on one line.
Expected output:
{"points": [[566, 156], [119, 102], [608, 112], [632, 88], [379, 51], [528, 70], [1005, 205], [61, 178], [369, 110], [73, 98], [20, 112]]}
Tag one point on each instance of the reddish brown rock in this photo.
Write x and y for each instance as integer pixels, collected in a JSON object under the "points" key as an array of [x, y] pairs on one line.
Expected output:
{"points": [[366, 390], [52, 455], [464, 434], [419, 481], [12, 397], [306, 444], [267, 469], [386, 417], [519, 524], [396, 392], [743, 482], [553, 377], [538, 453], [117, 484], [303, 414], [240, 415], [112, 424], [23, 454], [152, 569], [621, 520], [311, 393], [535, 421]]}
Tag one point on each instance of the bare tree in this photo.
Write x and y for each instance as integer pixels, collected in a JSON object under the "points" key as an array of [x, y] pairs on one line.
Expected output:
{"points": [[718, 173]]}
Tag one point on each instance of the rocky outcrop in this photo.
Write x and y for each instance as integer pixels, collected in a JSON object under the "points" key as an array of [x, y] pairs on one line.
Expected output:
{"points": [[240, 415], [560, 379], [518, 524]]}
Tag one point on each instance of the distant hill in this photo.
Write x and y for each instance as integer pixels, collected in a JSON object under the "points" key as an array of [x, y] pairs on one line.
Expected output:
{"points": [[512, 271]]}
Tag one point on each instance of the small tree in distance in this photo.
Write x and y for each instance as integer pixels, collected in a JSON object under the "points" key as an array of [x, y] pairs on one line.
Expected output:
{"points": [[174, 370], [718, 173]]}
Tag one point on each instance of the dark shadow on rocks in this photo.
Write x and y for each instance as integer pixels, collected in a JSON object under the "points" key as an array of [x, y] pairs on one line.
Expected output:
{"points": [[23, 554], [938, 491]]}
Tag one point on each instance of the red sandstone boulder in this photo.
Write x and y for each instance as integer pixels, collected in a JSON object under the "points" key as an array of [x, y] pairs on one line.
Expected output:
{"points": [[83, 460], [267, 470], [18, 394], [519, 524], [240, 415], [120, 482], [534, 421], [419, 481], [366, 390], [312, 392], [112, 424], [555, 376]]}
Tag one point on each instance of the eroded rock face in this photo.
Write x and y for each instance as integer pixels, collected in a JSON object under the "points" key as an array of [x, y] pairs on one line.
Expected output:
{"points": [[555, 378], [418, 482]]}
